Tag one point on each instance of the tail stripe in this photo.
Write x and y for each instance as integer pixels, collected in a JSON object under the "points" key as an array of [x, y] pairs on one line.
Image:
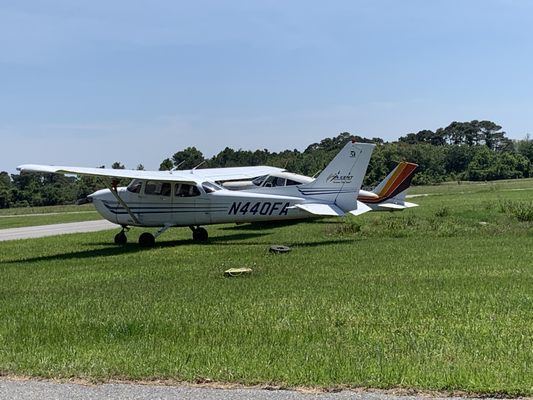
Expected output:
{"points": [[399, 181]]}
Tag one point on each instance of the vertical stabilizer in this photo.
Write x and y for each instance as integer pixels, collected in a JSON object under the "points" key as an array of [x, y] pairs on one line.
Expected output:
{"points": [[340, 181], [397, 181], [390, 193]]}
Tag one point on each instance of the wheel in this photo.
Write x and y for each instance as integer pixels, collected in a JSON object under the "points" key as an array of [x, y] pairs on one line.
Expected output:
{"points": [[146, 240], [120, 238], [279, 249], [200, 235]]}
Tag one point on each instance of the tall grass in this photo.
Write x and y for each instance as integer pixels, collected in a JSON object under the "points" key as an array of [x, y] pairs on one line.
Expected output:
{"points": [[521, 210]]}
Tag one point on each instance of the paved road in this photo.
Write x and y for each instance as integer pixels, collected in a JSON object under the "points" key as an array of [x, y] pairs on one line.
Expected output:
{"points": [[56, 229], [33, 390]]}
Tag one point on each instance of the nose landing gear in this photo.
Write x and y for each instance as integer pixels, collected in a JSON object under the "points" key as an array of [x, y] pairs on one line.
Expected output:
{"points": [[121, 238]]}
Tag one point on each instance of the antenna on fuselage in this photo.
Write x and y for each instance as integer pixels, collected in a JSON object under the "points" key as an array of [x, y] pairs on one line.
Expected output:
{"points": [[192, 170], [177, 166]]}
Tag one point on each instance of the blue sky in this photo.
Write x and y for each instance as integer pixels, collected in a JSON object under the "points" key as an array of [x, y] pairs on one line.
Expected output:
{"points": [[93, 82]]}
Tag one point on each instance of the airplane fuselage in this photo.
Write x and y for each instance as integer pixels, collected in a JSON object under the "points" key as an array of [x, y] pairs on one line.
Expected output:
{"points": [[218, 207]]}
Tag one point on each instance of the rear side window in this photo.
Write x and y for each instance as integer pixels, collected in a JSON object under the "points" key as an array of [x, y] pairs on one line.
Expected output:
{"points": [[158, 188], [186, 190], [290, 182]]}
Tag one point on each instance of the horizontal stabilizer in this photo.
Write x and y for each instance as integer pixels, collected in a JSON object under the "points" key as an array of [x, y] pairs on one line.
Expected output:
{"points": [[361, 209], [394, 206], [321, 209]]}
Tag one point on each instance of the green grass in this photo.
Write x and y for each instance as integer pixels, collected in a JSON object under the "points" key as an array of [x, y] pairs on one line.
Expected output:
{"points": [[439, 297], [34, 216]]}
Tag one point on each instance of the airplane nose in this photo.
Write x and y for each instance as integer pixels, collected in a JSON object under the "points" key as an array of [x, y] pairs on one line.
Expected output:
{"points": [[100, 195]]}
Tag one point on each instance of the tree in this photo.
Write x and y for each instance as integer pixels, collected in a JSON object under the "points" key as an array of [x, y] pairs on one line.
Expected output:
{"points": [[166, 165], [117, 165], [492, 135], [188, 158], [457, 159], [5, 189], [525, 147], [461, 133]]}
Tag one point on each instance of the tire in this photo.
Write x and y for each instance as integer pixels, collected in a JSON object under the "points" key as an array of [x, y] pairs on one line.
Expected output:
{"points": [[200, 235], [146, 240], [121, 239], [277, 249]]}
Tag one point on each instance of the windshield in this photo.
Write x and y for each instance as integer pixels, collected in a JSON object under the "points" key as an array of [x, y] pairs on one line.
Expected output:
{"points": [[259, 180], [211, 187], [135, 186]]}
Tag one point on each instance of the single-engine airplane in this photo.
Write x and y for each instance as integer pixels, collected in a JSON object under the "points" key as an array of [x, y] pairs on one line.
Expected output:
{"points": [[389, 195], [191, 198]]}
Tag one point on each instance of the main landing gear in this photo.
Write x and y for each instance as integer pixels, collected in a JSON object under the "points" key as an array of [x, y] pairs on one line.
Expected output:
{"points": [[146, 239], [199, 234]]}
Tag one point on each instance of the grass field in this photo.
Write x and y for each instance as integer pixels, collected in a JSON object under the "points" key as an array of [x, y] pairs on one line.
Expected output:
{"points": [[438, 297], [34, 216]]}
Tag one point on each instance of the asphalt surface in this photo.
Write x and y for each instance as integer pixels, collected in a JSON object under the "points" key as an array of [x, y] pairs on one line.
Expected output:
{"points": [[41, 390], [56, 229]]}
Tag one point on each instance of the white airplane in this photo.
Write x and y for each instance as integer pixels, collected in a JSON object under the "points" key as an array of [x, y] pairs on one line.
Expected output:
{"points": [[191, 198], [389, 195]]}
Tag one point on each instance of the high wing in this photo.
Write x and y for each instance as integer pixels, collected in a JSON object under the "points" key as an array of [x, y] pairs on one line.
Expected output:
{"points": [[107, 172], [233, 173], [193, 175]]}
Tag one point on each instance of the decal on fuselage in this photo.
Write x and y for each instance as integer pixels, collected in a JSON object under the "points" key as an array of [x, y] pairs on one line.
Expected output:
{"points": [[259, 207]]}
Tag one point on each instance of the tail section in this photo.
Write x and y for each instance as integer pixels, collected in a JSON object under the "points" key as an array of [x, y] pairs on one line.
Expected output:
{"points": [[390, 193], [341, 180]]}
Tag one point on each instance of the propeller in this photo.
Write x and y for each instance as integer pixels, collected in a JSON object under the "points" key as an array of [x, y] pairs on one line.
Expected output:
{"points": [[84, 200]]}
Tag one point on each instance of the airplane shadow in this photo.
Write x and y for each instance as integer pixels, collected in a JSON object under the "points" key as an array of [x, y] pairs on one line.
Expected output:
{"points": [[129, 248], [276, 224]]}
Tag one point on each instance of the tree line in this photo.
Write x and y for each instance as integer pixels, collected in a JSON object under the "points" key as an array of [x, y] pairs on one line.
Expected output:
{"points": [[473, 151]]}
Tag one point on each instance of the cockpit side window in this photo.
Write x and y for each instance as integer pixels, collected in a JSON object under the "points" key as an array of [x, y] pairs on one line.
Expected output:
{"points": [[135, 186], [210, 187], [186, 190], [279, 182], [158, 188], [269, 181], [273, 181]]}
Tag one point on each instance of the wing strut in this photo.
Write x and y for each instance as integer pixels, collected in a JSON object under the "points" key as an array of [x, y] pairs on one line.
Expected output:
{"points": [[113, 188]]}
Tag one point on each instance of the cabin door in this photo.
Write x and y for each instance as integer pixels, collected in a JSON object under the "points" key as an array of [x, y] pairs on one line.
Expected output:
{"points": [[188, 205], [155, 206]]}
